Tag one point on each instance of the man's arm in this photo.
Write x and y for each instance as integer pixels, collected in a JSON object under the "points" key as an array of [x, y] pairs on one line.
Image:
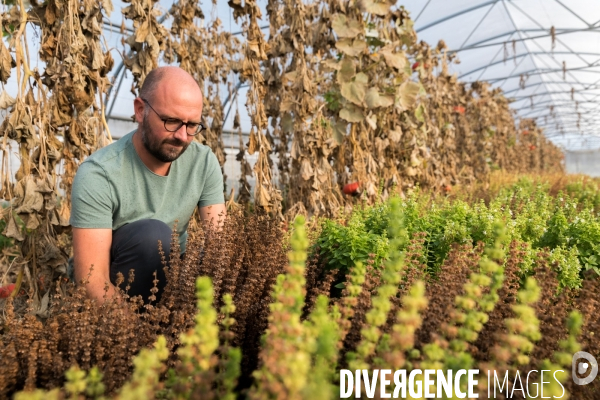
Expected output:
{"points": [[215, 214], [91, 247]]}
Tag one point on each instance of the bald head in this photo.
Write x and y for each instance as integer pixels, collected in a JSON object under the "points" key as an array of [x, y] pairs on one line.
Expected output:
{"points": [[164, 78]]}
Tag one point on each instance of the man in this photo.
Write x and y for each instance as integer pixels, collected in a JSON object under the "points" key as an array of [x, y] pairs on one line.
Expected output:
{"points": [[128, 195]]}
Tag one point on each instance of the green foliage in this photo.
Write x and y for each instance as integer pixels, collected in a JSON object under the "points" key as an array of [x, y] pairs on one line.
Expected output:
{"points": [[390, 278], [567, 261], [524, 328], [231, 356], [585, 192], [563, 357], [392, 348], [343, 245], [322, 327], [567, 225], [299, 358], [287, 343], [199, 344], [332, 99], [148, 365], [4, 241]]}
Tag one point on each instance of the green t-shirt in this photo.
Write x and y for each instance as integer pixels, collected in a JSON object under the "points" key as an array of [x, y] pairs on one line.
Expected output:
{"points": [[113, 187]]}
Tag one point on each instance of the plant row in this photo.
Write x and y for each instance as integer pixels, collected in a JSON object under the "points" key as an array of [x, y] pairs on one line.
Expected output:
{"points": [[269, 328]]}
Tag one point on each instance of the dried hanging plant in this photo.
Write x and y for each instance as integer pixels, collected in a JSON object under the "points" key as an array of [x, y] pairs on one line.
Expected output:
{"points": [[354, 102], [205, 53], [148, 40], [65, 100], [266, 195]]}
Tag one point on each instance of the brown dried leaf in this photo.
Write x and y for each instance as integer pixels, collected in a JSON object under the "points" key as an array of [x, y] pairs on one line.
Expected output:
{"points": [[407, 95], [6, 101], [351, 113], [372, 121], [142, 32], [7, 62], [42, 310], [64, 214], [29, 197], [287, 123], [253, 143], [354, 91], [344, 28], [347, 70], [394, 60], [32, 221], [351, 47], [107, 6], [410, 171], [395, 134], [376, 7], [332, 64], [153, 46], [306, 170], [262, 197], [374, 99], [339, 131], [12, 230], [286, 105], [98, 56]]}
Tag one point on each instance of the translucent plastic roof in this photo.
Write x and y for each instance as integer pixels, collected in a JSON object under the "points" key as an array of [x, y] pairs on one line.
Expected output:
{"points": [[544, 54]]}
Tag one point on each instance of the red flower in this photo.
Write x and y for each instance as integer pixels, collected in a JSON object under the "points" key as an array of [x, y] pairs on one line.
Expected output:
{"points": [[532, 147], [459, 109], [416, 65], [5, 291], [351, 188]]}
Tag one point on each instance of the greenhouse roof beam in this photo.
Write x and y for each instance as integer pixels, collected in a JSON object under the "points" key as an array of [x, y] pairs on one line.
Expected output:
{"points": [[574, 119], [422, 10], [540, 53], [543, 105], [533, 20], [457, 14], [570, 127], [521, 34], [530, 86], [534, 72], [573, 13], [260, 27], [483, 43], [563, 106], [479, 23], [554, 92], [554, 114], [535, 43], [114, 28], [476, 45], [488, 65]]}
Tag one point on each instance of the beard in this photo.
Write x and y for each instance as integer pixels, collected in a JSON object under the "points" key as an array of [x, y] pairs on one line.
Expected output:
{"points": [[162, 150]]}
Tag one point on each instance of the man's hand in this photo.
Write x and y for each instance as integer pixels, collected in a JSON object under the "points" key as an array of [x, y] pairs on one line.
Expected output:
{"points": [[215, 214], [92, 247]]}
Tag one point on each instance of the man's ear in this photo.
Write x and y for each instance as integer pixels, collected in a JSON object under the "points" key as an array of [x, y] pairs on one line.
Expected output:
{"points": [[138, 107]]}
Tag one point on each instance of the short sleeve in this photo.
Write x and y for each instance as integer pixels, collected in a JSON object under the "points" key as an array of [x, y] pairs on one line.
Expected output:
{"points": [[212, 192], [92, 205]]}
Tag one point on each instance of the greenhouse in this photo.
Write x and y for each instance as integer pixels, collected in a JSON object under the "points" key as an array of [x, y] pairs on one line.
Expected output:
{"points": [[275, 199]]}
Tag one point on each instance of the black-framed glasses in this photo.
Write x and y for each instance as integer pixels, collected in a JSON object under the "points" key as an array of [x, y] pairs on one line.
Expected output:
{"points": [[173, 124]]}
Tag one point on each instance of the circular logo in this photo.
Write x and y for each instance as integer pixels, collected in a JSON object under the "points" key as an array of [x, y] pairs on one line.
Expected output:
{"points": [[581, 368]]}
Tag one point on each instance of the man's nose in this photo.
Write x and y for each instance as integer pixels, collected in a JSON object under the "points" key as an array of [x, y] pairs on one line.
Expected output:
{"points": [[181, 133]]}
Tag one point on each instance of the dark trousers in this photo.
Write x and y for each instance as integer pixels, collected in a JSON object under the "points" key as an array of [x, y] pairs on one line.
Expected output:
{"points": [[135, 246]]}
